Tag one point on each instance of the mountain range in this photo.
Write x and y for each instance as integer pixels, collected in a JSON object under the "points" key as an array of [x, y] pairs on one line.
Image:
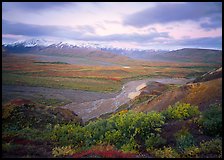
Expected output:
{"points": [[46, 47]]}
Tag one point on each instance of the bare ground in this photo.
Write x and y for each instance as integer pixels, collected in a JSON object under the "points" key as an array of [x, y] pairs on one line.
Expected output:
{"points": [[93, 109], [201, 94]]}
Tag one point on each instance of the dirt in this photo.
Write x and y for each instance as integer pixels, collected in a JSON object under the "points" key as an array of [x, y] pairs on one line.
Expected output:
{"points": [[162, 101], [204, 93], [201, 94]]}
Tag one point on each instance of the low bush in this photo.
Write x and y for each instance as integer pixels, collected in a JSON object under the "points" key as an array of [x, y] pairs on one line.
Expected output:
{"points": [[154, 141], [181, 111], [166, 152], [130, 147], [211, 120], [103, 154], [191, 152], [184, 139], [68, 134], [63, 151], [120, 130], [213, 146]]}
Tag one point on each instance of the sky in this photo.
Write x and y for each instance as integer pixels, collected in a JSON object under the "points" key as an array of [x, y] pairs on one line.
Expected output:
{"points": [[145, 25]]}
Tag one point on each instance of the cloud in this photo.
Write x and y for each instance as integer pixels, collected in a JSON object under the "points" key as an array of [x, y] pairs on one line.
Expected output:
{"points": [[86, 28], [214, 22], [111, 21], [26, 29], [44, 30], [9, 38], [78, 33], [35, 6], [14, 31], [173, 12], [140, 38], [207, 42]]}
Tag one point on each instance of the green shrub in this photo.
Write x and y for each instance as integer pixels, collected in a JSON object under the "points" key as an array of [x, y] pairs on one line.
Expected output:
{"points": [[63, 151], [192, 152], [9, 147], [180, 111], [131, 146], [31, 116], [166, 152], [132, 124], [116, 130], [208, 149], [213, 146], [113, 136], [211, 120], [68, 134], [154, 141], [102, 130], [184, 139]]}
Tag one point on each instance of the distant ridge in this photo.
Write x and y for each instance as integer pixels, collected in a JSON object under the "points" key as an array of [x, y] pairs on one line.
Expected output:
{"points": [[40, 46]]}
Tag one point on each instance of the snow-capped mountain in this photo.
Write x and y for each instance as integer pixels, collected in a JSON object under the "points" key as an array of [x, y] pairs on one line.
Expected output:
{"points": [[60, 47], [98, 50], [71, 44], [31, 43]]}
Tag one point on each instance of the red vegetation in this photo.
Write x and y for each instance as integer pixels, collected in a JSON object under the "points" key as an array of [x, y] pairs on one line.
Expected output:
{"points": [[114, 79], [19, 102], [20, 141], [103, 154]]}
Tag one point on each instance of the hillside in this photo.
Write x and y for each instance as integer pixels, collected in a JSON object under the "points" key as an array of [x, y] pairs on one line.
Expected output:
{"points": [[194, 55], [189, 55], [205, 90], [209, 76], [110, 54], [66, 52]]}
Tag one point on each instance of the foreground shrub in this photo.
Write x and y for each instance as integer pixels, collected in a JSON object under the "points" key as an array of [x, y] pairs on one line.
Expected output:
{"points": [[68, 134], [120, 130], [63, 151], [132, 124], [166, 152], [100, 153], [191, 152], [212, 147], [32, 116], [131, 146], [154, 141], [184, 139], [211, 120], [208, 149], [181, 111]]}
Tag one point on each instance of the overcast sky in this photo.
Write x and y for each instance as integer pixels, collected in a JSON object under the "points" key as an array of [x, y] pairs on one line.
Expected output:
{"points": [[122, 24]]}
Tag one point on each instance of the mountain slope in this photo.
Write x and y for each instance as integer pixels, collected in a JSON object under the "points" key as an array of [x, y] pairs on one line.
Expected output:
{"points": [[45, 47], [193, 55], [65, 52], [209, 76], [203, 92]]}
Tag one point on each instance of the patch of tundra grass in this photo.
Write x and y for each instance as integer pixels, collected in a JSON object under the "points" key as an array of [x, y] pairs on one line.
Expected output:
{"points": [[98, 85]]}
